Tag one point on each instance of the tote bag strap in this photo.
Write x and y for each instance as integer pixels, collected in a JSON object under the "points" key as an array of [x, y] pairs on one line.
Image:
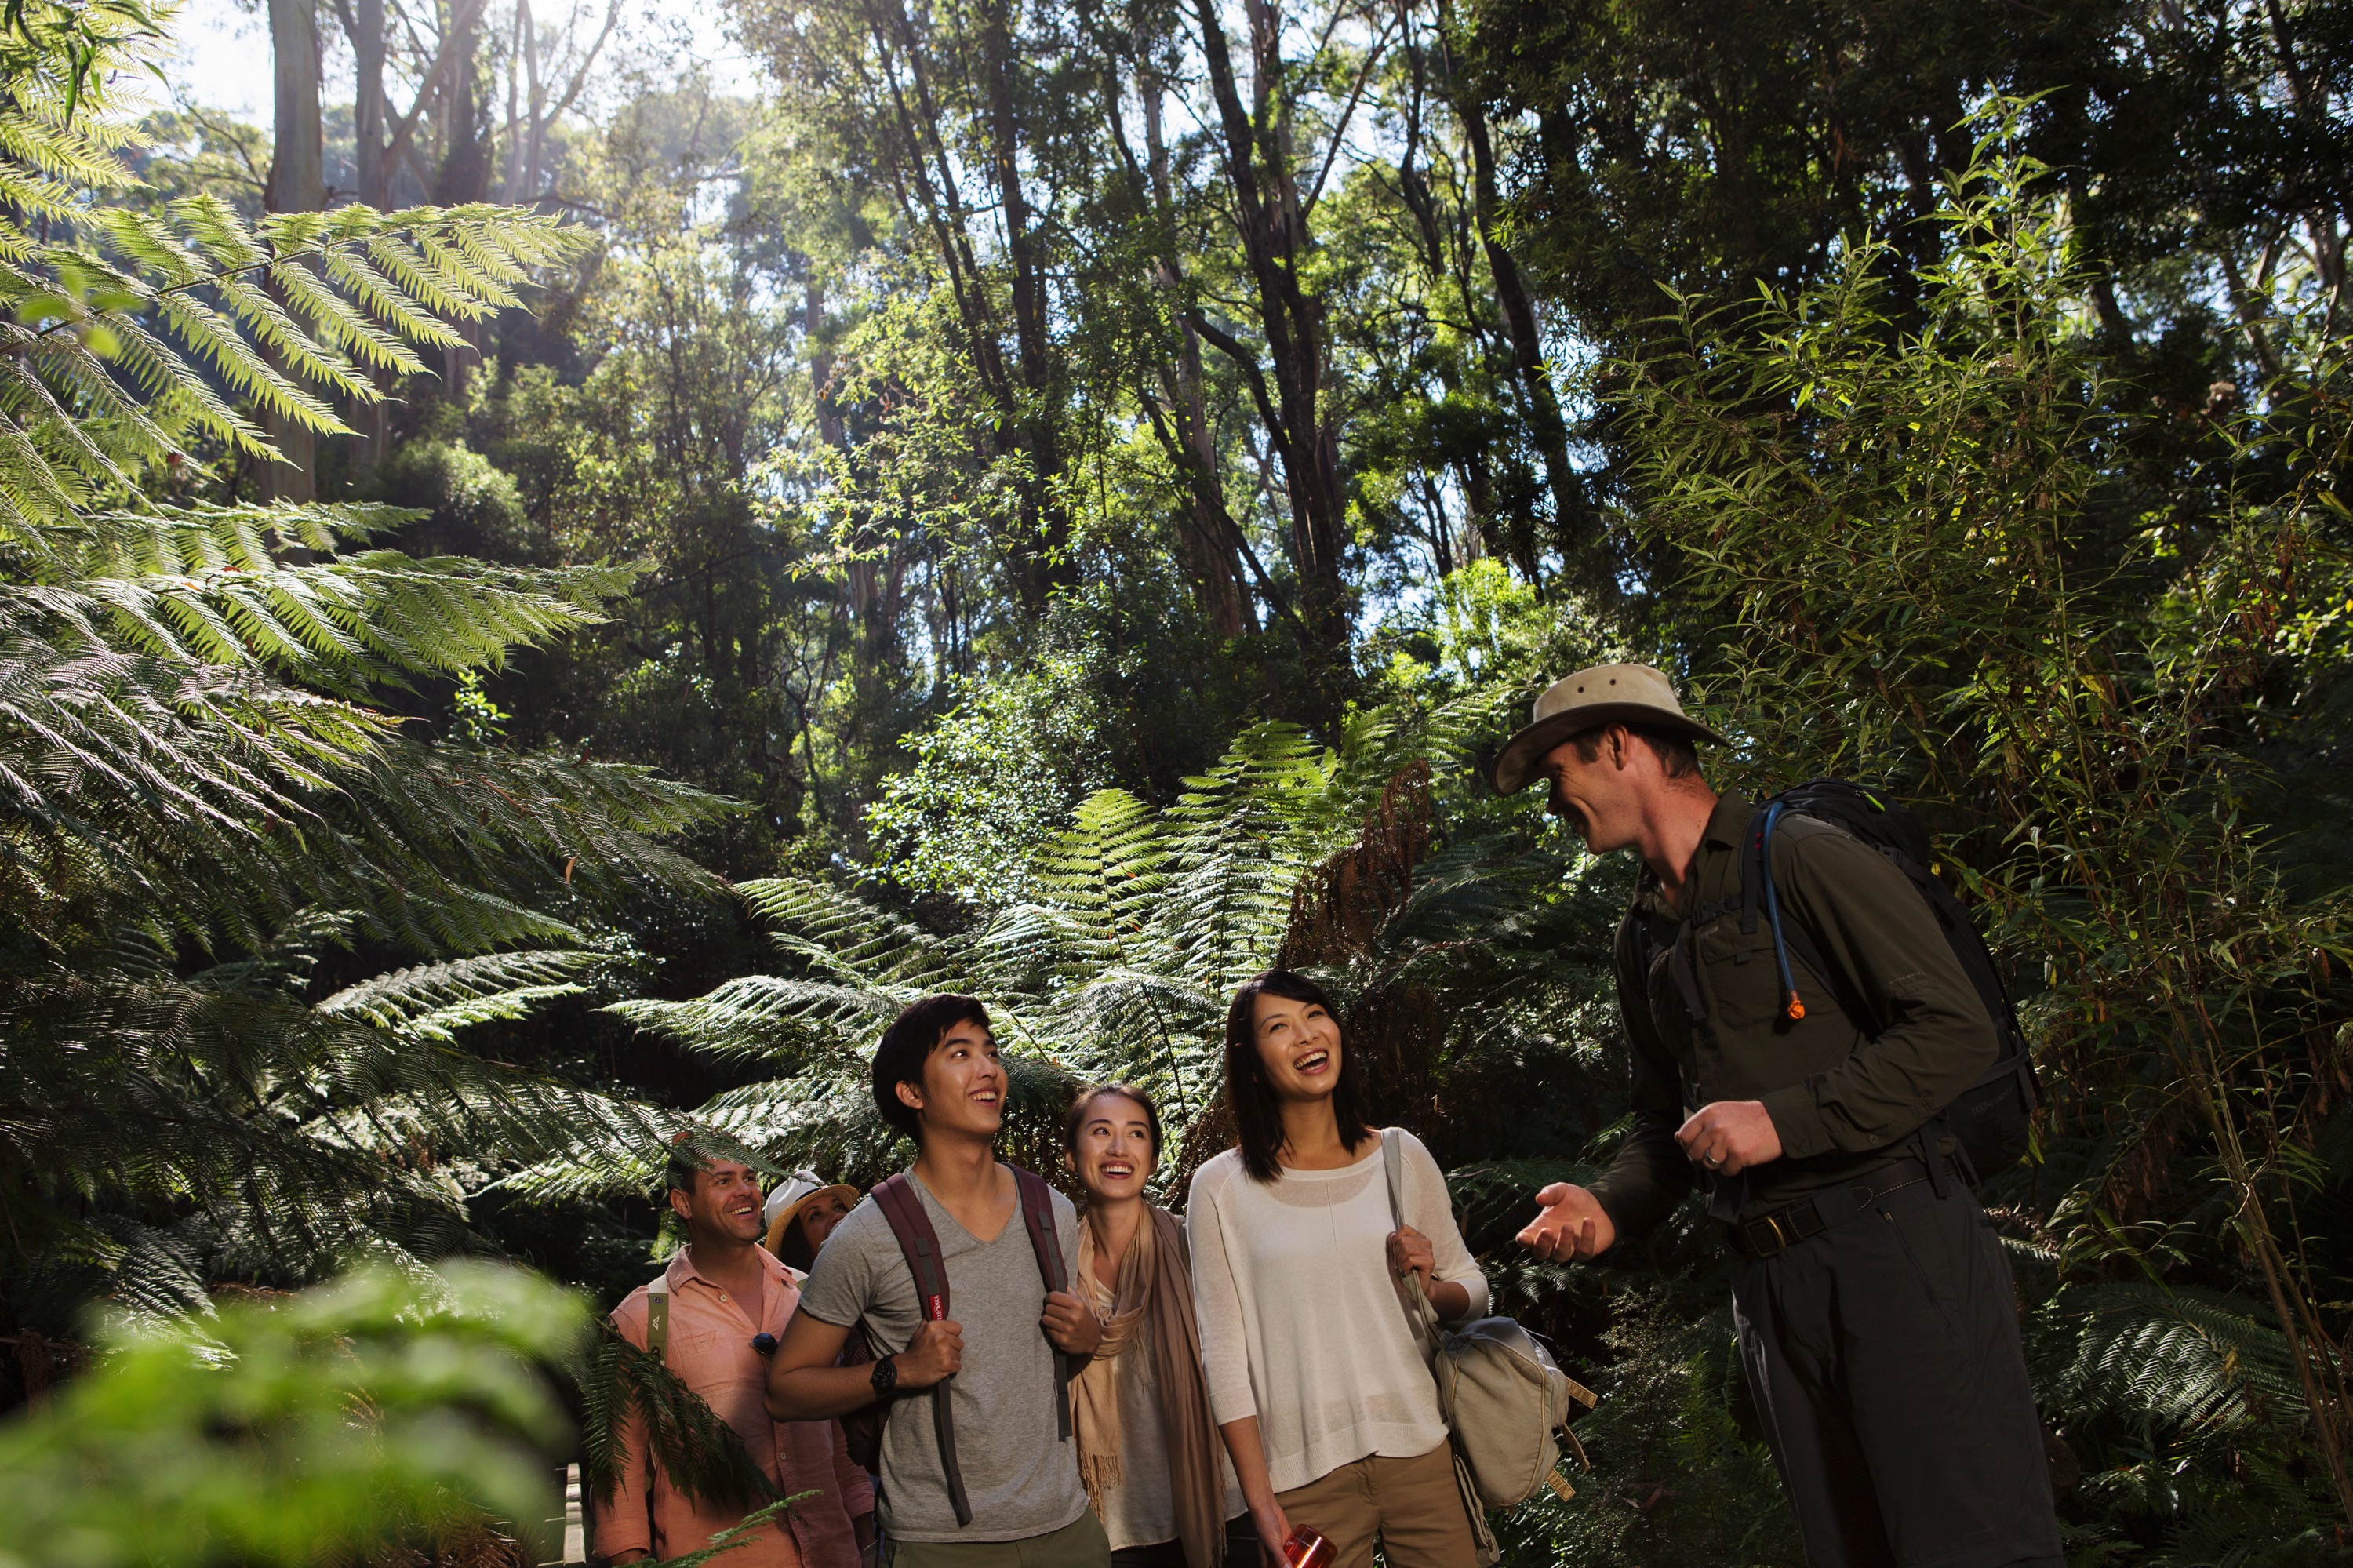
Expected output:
{"points": [[1420, 1311]]}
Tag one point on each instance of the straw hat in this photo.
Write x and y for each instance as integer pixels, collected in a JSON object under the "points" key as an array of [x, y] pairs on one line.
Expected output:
{"points": [[797, 1193], [1604, 695]]}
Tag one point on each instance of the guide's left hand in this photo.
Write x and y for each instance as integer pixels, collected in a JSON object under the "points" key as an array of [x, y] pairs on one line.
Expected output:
{"points": [[1730, 1136], [1071, 1324]]}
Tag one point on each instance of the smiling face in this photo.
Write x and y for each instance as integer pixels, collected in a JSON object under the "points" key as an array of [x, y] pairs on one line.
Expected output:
{"points": [[1115, 1156], [963, 1085], [1298, 1047], [817, 1220], [725, 1203], [1601, 800]]}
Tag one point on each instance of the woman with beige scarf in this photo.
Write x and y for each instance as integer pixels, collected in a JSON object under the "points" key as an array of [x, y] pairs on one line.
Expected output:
{"points": [[1148, 1452]]}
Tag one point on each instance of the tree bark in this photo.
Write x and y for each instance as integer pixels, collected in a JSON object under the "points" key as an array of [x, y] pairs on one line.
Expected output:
{"points": [[298, 183], [366, 25], [1044, 563], [363, 25], [1212, 537], [1576, 521], [465, 172], [922, 176], [1257, 155]]}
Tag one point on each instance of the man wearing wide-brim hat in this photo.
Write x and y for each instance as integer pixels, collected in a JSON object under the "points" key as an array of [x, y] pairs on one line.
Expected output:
{"points": [[1876, 1317]]}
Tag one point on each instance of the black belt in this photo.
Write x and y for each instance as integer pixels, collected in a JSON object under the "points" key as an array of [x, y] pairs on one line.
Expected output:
{"points": [[1832, 1206]]}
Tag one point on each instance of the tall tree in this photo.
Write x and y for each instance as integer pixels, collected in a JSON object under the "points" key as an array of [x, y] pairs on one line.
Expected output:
{"points": [[1301, 421], [298, 183]]}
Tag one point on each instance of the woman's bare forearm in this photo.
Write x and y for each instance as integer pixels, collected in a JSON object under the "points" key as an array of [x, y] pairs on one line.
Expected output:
{"points": [[1248, 1451]]}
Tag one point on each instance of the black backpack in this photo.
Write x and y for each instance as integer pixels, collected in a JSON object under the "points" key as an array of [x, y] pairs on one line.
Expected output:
{"points": [[1991, 1118]]}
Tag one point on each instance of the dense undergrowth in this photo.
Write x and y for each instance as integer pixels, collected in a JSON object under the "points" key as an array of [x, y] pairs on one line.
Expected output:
{"points": [[289, 981]]}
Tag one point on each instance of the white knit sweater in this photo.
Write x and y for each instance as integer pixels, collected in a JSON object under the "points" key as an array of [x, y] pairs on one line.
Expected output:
{"points": [[1303, 1325]]}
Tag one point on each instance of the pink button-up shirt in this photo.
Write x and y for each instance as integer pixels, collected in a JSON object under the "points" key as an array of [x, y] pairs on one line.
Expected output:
{"points": [[710, 1348]]}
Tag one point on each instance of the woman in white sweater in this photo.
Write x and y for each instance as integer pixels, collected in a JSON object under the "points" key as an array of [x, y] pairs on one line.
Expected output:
{"points": [[1319, 1380]]}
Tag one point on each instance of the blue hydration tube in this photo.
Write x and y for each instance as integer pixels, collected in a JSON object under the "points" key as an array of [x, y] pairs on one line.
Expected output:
{"points": [[1791, 1005]]}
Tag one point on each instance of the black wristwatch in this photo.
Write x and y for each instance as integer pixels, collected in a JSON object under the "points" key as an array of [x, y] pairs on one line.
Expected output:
{"points": [[885, 1376]]}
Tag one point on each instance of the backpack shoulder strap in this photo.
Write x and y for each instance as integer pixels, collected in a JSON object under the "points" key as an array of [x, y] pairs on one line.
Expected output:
{"points": [[1038, 1217], [1037, 1200], [658, 1316], [902, 1206], [919, 1244]]}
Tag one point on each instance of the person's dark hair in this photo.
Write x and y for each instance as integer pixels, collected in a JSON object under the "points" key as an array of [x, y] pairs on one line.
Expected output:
{"points": [[1678, 758], [1257, 1118], [909, 1043], [793, 1250], [1088, 1096]]}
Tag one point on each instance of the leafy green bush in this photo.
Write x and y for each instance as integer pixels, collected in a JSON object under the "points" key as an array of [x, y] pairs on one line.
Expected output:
{"points": [[245, 917], [382, 1411]]}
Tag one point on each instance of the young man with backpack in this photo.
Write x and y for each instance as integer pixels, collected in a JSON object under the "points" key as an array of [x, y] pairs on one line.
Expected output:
{"points": [[956, 1276], [1806, 1031]]}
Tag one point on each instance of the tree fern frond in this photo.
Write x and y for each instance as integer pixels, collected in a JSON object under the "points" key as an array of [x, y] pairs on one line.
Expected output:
{"points": [[2186, 1359], [411, 1001]]}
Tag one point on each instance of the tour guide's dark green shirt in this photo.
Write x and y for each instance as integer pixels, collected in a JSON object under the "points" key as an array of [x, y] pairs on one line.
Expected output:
{"points": [[1839, 1094]]}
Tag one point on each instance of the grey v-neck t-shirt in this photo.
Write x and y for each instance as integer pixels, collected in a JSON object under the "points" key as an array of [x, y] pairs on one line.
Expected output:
{"points": [[1020, 1474]]}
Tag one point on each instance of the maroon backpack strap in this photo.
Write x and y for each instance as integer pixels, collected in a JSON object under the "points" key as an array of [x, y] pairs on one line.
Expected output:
{"points": [[1046, 1241], [902, 1206]]}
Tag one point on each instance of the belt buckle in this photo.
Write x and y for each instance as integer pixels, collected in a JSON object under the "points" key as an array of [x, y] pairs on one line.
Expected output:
{"points": [[1771, 1240]]}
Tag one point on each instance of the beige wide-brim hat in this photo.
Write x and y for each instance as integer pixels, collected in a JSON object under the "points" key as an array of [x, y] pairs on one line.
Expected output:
{"points": [[804, 1188], [1606, 693]]}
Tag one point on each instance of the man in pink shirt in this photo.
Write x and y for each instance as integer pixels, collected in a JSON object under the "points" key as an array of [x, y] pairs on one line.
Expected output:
{"points": [[729, 1302]]}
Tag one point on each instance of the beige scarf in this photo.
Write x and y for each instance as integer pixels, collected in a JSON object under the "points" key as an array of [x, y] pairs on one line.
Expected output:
{"points": [[1154, 1280]]}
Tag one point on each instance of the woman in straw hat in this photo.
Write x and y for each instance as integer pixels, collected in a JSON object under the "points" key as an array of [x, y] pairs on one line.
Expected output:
{"points": [[801, 1213]]}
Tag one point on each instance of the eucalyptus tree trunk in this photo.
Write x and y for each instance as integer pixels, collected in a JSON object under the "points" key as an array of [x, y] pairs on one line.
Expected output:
{"points": [[364, 25], [1258, 156], [298, 183], [465, 172], [1022, 389], [1043, 564], [1213, 540], [1576, 521]]}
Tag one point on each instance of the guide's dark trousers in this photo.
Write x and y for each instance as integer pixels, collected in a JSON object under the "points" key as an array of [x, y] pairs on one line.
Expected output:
{"points": [[1885, 1358]]}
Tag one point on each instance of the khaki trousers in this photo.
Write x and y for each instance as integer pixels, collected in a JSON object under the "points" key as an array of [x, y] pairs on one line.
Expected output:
{"points": [[1414, 1505]]}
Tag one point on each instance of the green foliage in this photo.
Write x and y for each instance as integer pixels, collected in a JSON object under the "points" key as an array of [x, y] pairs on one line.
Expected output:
{"points": [[991, 781], [1130, 930], [1941, 558], [217, 835], [1676, 1477], [623, 1387], [384, 1410]]}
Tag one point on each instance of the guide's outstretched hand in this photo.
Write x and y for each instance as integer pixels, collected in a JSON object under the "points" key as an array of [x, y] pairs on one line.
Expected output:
{"points": [[1572, 1227]]}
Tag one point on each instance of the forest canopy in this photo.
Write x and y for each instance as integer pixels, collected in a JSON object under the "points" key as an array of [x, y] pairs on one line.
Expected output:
{"points": [[546, 593]]}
